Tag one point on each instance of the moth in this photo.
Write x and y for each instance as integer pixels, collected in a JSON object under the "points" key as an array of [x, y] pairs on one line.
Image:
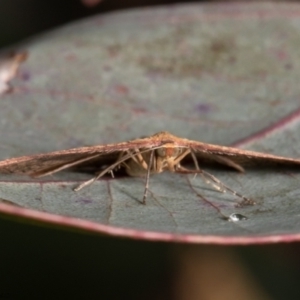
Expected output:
{"points": [[146, 156]]}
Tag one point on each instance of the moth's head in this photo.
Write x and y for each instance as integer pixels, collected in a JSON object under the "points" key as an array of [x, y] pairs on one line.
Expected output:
{"points": [[168, 152]]}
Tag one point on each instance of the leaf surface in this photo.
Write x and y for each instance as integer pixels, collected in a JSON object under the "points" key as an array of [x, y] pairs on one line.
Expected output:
{"points": [[222, 74]]}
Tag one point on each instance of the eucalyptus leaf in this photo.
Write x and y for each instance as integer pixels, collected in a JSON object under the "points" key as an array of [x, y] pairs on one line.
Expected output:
{"points": [[203, 72]]}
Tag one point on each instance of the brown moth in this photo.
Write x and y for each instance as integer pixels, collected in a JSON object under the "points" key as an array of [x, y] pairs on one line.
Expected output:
{"points": [[143, 157]]}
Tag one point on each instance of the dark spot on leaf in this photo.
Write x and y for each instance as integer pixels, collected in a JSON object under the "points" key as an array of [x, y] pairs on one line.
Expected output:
{"points": [[25, 75], [84, 200], [288, 66], [121, 89], [204, 108]]}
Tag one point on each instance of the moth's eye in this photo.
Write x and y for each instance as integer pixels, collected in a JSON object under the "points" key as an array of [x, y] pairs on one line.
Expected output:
{"points": [[161, 152]]}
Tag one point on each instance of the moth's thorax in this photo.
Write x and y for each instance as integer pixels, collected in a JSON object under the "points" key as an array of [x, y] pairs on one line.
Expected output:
{"points": [[166, 158], [168, 152]]}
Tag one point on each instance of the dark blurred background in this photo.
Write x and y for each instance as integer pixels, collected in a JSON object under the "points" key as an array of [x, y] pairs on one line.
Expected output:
{"points": [[47, 263], [22, 18]]}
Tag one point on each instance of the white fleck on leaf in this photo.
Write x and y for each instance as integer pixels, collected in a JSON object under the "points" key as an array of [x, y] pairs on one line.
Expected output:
{"points": [[9, 65]]}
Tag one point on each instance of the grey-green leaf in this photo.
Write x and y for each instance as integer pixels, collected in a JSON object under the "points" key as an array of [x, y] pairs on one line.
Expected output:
{"points": [[203, 72]]}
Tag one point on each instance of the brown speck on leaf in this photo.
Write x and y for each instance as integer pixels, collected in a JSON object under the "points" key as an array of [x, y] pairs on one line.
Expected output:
{"points": [[9, 65], [121, 89]]}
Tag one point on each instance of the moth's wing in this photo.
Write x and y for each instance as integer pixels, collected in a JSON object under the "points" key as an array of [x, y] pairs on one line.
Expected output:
{"points": [[48, 163], [237, 158], [36, 165]]}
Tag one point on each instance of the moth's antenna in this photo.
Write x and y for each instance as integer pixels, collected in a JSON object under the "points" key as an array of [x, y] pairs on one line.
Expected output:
{"points": [[148, 176]]}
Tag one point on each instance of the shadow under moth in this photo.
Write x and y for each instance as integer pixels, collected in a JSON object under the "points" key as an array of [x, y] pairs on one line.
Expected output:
{"points": [[145, 156]]}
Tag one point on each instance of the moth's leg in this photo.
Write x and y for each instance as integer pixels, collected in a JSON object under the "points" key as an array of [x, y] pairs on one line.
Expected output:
{"points": [[182, 156], [224, 188], [117, 167], [148, 176], [217, 184], [139, 159], [122, 158], [90, 181], [196, 163], [195, 160], [121, 155]]}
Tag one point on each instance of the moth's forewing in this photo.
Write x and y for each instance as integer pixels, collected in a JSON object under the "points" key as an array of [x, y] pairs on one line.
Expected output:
{"points": [[241, 157], [32, 165], [41, 164]]}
